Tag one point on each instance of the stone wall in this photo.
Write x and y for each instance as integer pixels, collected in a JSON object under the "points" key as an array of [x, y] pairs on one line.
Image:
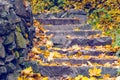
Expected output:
{"points": [[16, 35]]}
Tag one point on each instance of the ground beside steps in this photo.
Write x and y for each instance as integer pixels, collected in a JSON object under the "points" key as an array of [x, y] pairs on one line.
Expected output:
{"points": [[77, 50]]}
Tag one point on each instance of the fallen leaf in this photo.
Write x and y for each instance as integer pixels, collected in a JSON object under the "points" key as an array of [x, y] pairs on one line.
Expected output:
{"points": [[95, 72], [36, 50], [27, 71], [49, 44], [45, 78], [50, 57]]}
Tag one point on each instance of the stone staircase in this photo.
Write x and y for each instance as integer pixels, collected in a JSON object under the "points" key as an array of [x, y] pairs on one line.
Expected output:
{"points": [[68, 32]]}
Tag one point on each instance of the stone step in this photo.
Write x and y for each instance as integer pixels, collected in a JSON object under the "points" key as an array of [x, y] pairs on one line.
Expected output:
{"points": [[91, 52], [68, 27], [84, 61], [64, 42], [56, 71], [92, 42], [64, 14], [61, 21], [74, 33]]}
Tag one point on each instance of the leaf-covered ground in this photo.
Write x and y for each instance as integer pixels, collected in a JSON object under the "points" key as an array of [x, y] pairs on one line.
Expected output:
{"points": [[44, 53]]}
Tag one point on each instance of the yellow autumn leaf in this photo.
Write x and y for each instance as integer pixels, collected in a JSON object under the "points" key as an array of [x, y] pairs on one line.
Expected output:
{"points": [[87, 48], [92, 78], [86, 57], [30, 78], [46, 53], [26, 35], [54, 54], [78, 77], [53, 64], [79, 53], [19, 78], [107, 64], [95, 72], [57, 54], [50, 57], [85, 78], [42, 63], [49, 44], [77, 29], [68, 36], [56, 48], [69, 78], [75, 47], [36, 50], [110, 27], [45, 78], [27, 71]]}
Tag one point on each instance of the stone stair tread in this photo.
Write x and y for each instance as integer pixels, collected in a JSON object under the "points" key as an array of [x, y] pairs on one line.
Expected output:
{"points": [[92, 42], [91, 52], [59, 18], [68, 27], [69, 37], [55, 71], [81, 41], [60, 21], [85, 61], [74, 33]]}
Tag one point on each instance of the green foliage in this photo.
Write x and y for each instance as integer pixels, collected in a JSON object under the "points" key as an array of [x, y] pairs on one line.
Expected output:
{"points": [[118, 71], [49, 5], [117, 40]]}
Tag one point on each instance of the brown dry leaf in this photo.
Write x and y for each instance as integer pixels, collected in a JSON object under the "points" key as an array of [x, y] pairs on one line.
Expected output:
{"points": [[106, 76]]}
